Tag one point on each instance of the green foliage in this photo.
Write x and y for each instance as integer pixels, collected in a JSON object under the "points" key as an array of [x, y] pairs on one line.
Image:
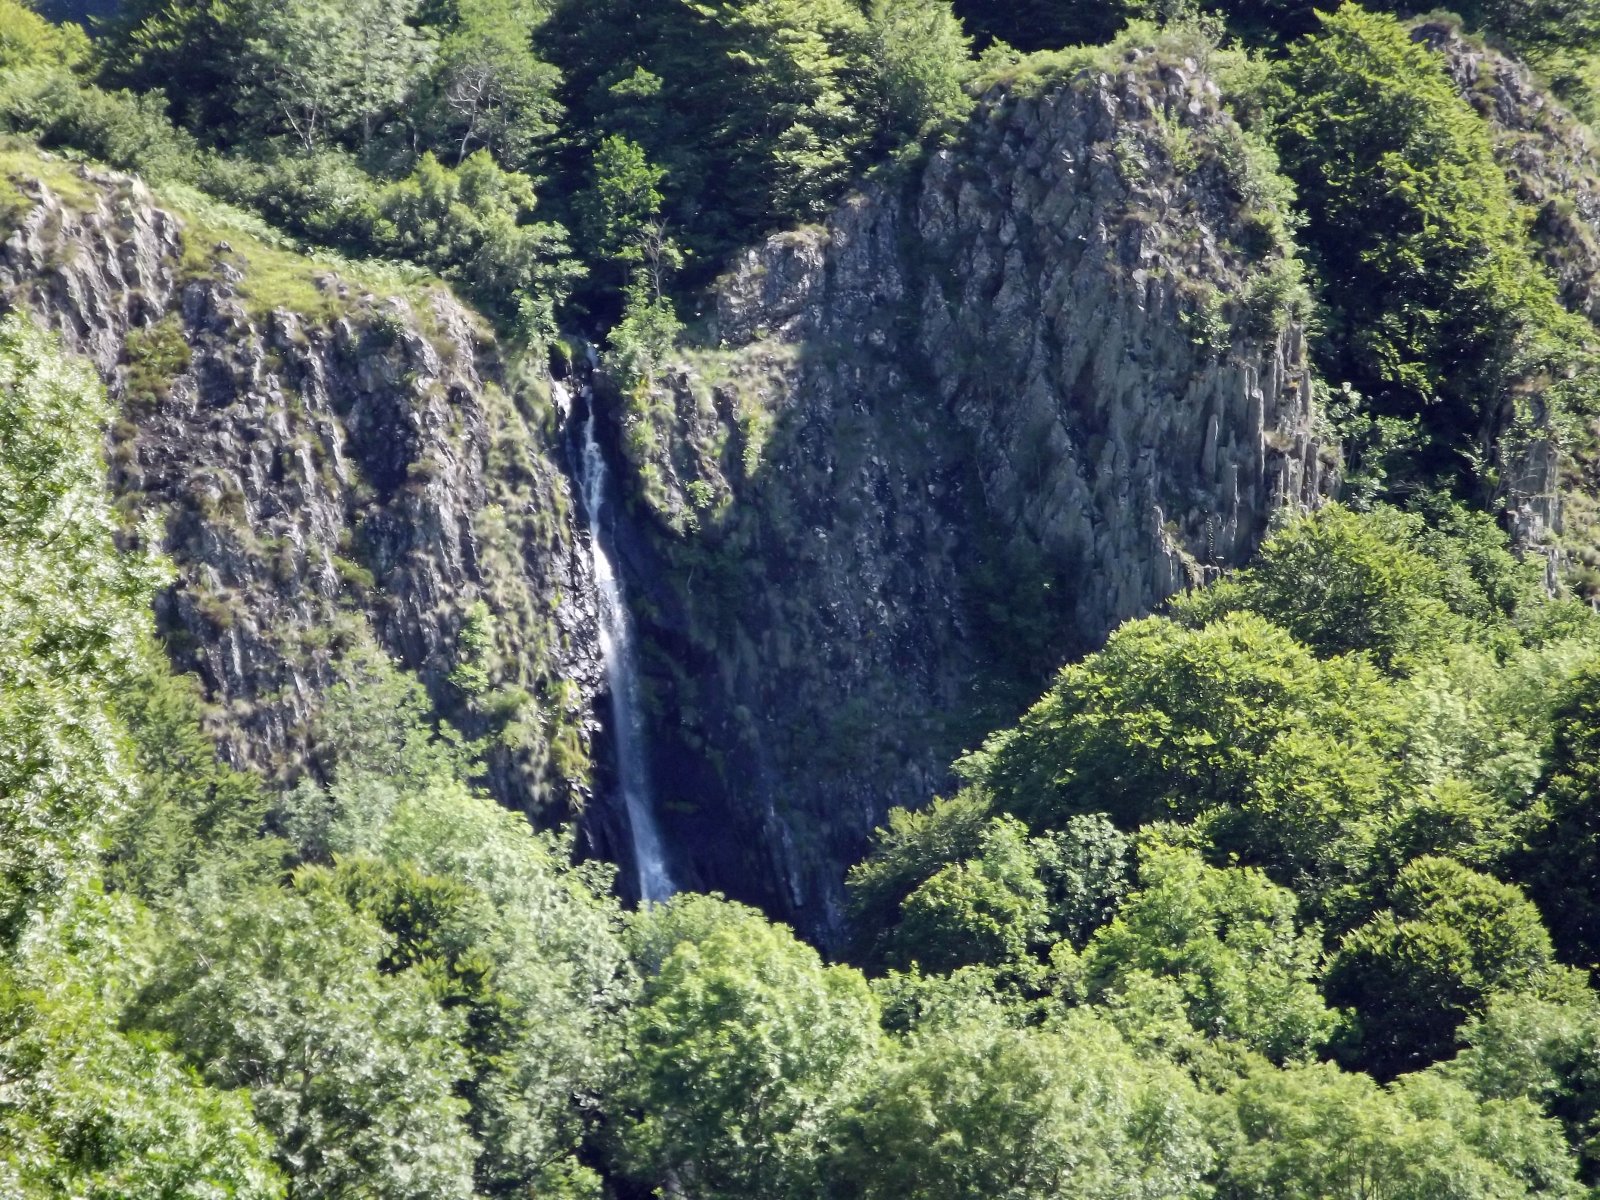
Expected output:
{"points": [[1436, 307], [321, 71], [474, 648], [470, 223], [311, 71], [72, 612], [990, 910], [625, 203], [1231, 942], [375, 981], [1233, 721], [489, 90], [979, 1110], [1563, 851], [740, 1045], [88, 1110], [121, 128], [1416, 971], [913, 846], [449, 978], [758, 110], [1542, 1050], [187, 802], [1386, 583], [1084, 867], [1316, 1132], [640, 345], [923, 59], [1315, 766], [351, 1069], [27, 40]]}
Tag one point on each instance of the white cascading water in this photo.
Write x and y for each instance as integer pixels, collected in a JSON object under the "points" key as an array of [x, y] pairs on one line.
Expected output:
{"points": [[617, 649]]}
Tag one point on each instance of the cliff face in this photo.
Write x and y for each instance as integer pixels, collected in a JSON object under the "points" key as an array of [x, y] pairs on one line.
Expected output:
{"points": [[322, 454], [938, 445]]}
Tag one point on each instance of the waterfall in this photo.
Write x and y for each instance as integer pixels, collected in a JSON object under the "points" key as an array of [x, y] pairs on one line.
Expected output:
{"points": [[622, 676]]}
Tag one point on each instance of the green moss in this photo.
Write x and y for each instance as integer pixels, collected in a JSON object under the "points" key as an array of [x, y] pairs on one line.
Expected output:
{"points": [[21, 163], [1034, 74], [221, 611], [278, 273], [156, 355], [13, 205], [353, 575]]}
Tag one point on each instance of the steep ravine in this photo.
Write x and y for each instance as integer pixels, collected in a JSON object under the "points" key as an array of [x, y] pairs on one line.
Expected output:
{"points": [[918, 457], [323, 453], [930, 449]]}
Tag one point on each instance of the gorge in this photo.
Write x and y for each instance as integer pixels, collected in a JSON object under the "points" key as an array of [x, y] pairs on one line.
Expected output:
{"points": [[804, 599]]}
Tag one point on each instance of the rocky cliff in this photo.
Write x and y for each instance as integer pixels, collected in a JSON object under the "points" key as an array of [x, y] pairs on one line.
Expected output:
{"points": [[327, 452], [925, 452]]}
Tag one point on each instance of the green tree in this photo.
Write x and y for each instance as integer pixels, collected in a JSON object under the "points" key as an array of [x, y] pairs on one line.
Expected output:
{"points": [[622, 214], [324, 71], [983, 1111], [1436, 307], [191, 53], [73, 614], [738, 1048], [489, 89], [545, 937], [190, 811], [474, 225], [1562, 857], [1235, 722], [86, 1108], [923, 57], [1540, 1049], [990, 910], [1450, 938], [485, 914], [758, 110], [1404, 587], [27, 40], [90, 1110], [1084, 866], [1232, 943], [352, 1071], [1318, 1133], [1343, 582], [909, 850]]}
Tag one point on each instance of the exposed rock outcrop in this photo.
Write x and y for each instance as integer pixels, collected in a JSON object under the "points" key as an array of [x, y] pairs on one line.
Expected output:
{"points": [[322, 454], [939, 444]]}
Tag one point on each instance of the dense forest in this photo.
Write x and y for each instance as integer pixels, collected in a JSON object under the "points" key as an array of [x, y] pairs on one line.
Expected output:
{"points": [[1288, 889]]}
